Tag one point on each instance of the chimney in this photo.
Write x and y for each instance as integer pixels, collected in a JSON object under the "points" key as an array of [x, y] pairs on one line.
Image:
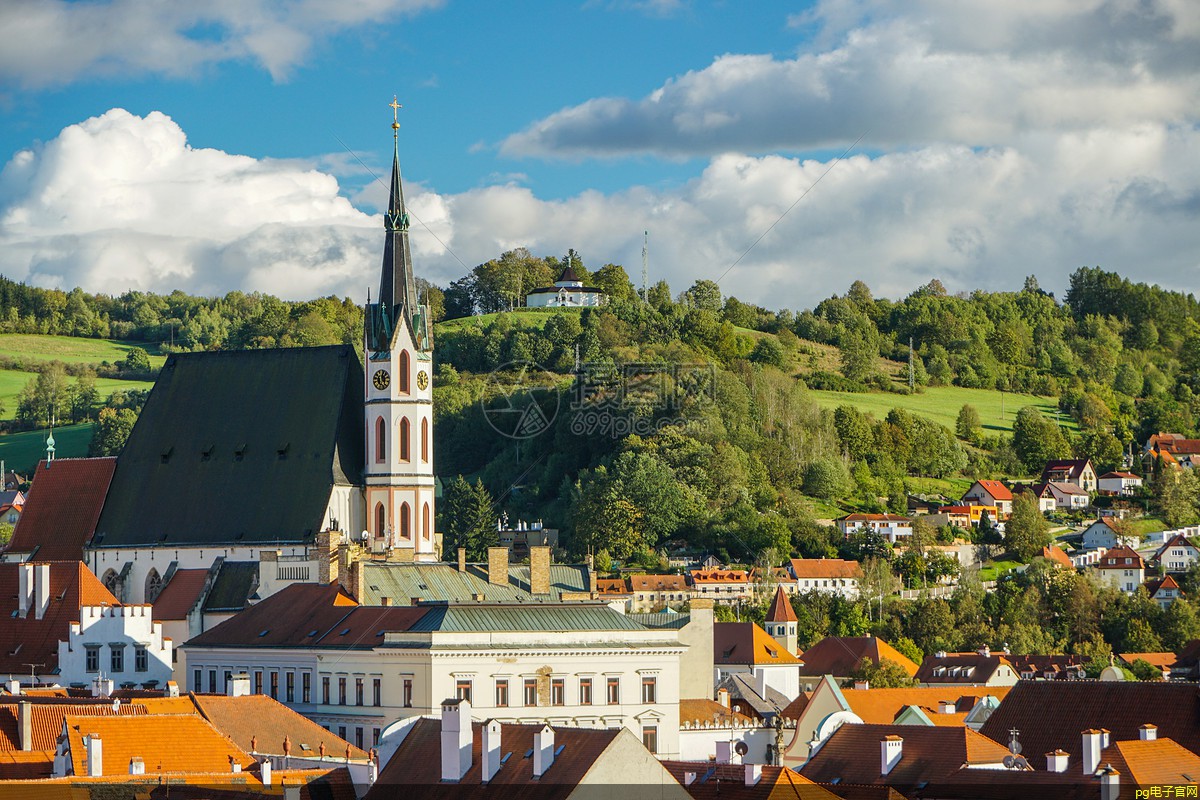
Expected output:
{"points": [[462, 559], [1110, 783], [1056, 761], [490, 750], [25, 724], [456, 739], [94, 755], [539, 570], [137, 766], [1091, 751], [327, 557], [265, 767], [172, 689], [238, 686], [498, 566], [753, 774], [102, 687], [24, 589], [543, 751], [14, 687], [234, 766], [890, 750], [723, 697], [1148, 732], [1105, 737], [947, 707], [862, 685], [985, 651], [689, 778], [41, 589]]}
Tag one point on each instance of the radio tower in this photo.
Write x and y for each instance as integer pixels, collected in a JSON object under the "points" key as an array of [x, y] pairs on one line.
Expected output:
{"points": [[645, 257], [911, 376]]}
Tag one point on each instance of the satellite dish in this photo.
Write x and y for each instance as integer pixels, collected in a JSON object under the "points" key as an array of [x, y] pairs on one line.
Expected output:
{"points": [[741, 748], [1021, 762], [1010, 762]]}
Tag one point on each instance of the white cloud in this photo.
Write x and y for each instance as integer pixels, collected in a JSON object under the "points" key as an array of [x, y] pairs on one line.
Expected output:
{"points": [[52, 42], [120, 201], [909, 74]]}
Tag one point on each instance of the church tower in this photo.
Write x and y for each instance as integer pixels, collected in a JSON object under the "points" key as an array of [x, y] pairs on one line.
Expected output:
{"points": [[781, 623], [399, 396]]}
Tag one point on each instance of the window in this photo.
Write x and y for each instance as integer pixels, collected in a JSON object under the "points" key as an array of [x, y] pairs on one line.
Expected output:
{"points": [[358, 691], [404, 450], [380, 441], [405, 521], [341, 732], [358, 737], [614, 691], [141, 662], [226, 678], [462, 689], [341, 691], [585, 691], [374, 737], [558, 692], [501, 694], [649, 689], [531, 691], [118, 657], [408, 693], [426, 531], [306, 687], [274, 685], [258, 686], [425, 440], [325, 690], [650, 737], [290, 684], [380, 520], [402, 372], [212, 681], [377, 691], [93, 663]]}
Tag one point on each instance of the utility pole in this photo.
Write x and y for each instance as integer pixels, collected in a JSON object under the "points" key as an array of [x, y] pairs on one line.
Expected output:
{"points": [[911, 378], [645, 264]]}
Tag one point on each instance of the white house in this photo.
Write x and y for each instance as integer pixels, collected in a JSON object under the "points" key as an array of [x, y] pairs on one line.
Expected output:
{"points": [[745, 649], [1122, 568], [123, 643], [892, 526], [567, 292], [1119, 483], [1164, 591], [722, 585], [1068, 496], [1101, 534], [989, 493], [828, 575], [1177, 555]]}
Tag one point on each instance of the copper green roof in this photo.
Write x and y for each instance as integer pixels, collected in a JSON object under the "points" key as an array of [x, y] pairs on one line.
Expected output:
{"points": [[544, 618], [442, 582]]}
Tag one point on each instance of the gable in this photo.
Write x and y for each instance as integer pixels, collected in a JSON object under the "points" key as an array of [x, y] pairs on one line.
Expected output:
{"points": [[238, 448]]}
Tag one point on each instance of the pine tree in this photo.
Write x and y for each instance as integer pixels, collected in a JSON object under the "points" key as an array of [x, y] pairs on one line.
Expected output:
{"points": [[468, 520]]}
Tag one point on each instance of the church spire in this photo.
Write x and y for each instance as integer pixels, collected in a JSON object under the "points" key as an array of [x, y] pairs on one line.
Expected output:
{"points": [[397, 287]]}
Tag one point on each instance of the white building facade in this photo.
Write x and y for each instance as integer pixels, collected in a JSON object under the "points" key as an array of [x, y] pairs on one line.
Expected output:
{"points": [[122, 643]]}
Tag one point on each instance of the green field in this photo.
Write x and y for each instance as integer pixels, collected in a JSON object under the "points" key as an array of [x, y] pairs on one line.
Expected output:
{"points": [[22, 451], [13, 381], [941, 404], [520, 318], [72, 349]]}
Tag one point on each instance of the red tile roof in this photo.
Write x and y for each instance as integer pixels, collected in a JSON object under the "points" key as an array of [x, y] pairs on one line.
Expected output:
{"points": [[719, 576], [1115, 559], [1125, 475], [658, 583], [35, 641], [781, 608], [840, 655], [611, 586], [874, 518], [1160, 660], [1153, 586], [181, 595], [825, 568], [744, 643], [62, 508], [258, 719], [996, 489], [1056, 554], [46, 721]]}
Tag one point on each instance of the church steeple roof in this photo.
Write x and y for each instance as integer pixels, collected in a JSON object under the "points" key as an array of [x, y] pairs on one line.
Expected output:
{"points": [[781, 608]]}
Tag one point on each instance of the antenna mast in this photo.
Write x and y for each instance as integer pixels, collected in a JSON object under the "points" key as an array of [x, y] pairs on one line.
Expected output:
{"points": [[911, 380], [645, 262]]}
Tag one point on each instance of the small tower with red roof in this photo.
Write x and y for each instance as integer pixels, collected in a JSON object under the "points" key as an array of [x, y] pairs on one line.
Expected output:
{"points": [[781, 622]]}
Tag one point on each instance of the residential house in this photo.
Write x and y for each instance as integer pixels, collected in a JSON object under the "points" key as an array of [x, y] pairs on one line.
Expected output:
{"points": [[1121, 568], [744, 648], [1101, 533], [524, 535], [709, 731], [1068, 496], [1162, 661], [615, 592], [839, 657], [981, 668], [61, 510], [827, 575], [1035, 667], [12, 501], [1177, 555], [654, 592], [1042, 493], [1076, 471], [1056, 555], [1172, 449], [891, 526], [137, 652], [722, 585], [964, 516], [1164, 591], [567, 292], [1119, 484], [990, 493], [357, 669], [437, 757]]}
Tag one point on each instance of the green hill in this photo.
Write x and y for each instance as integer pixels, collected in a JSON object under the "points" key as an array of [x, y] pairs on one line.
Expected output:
{"points": [[13, 381], [71, 349], [941, 404], [22, 451]]}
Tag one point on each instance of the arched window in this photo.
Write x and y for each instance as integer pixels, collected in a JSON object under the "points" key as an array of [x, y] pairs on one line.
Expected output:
{"points": [[380, 520], [380, 441], [403, 376], [153, 585], [404, 439], [111, 581], [426, 530], [425, 439], [405, 514]]}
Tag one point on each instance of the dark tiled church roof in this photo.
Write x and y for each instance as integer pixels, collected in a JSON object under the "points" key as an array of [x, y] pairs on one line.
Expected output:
{"points": [[238, 448]]}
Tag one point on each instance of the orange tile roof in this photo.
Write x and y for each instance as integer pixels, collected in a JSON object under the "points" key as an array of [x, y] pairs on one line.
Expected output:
{"points": [[746, 643], [267, 722], [1056, 554], [1160, 660], [996, 489], [720, 576], [1157, 761], [840, 655], [658, 583], [706, 711], [165, 743], [46, 721], [180, 596], [881, 706], [825, 568], [781, 608], [1114, 558], [611, 586], [62, 508]]}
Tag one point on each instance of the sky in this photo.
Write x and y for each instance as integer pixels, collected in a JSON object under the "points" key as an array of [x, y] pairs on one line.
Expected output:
{"points": [[782, 149]]}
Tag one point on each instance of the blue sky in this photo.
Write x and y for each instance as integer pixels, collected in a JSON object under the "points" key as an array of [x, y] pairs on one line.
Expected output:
{"points": [[157, 146]]}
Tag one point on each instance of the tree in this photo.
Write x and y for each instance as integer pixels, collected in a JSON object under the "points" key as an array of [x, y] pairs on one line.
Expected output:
{"points": [[1036, 439], [886, 674], [969, 427], [45, 396], [136, 360], [1175, 495], [1027, 531], [113, 426], [468, 519], [827, 478], [853, 431], [1143, 670], [704, 294], [769, 351]]}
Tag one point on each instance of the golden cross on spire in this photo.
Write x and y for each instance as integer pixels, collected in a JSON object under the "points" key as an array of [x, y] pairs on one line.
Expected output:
{"points": [[395, 113]]}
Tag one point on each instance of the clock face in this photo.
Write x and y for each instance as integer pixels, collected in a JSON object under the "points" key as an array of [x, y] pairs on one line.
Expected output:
{"points": [[422, 379], [380, 379]]}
